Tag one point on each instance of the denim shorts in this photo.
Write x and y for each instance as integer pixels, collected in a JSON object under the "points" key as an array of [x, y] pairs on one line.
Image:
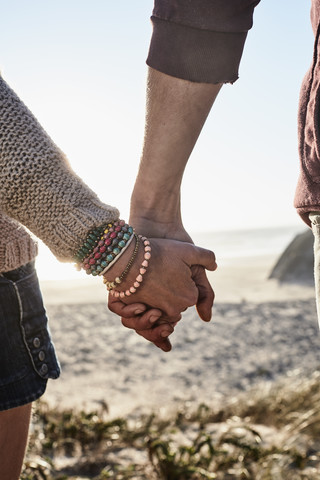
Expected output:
{"points": [[27, 356]]}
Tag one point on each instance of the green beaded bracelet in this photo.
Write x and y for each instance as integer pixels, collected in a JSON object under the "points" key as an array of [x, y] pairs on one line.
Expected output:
{"points": [[102, 247], [118, 280]]}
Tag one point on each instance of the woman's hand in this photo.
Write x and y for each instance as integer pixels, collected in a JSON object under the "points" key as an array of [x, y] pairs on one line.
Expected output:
{"points": [[147, 323], [169, 288], [173, 229]]}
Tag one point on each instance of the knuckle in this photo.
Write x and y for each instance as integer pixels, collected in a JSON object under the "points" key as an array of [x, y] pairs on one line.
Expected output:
{"points": [[210, 294], [145, 334], [173, 312], [193, 298], [112, 308], [125, 322]]}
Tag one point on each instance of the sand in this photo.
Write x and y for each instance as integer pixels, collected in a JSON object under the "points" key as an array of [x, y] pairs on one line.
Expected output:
{"points": [[261, 331]]}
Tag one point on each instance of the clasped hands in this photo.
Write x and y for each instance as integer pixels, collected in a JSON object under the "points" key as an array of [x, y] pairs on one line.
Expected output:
{"points": [[175, 280]]}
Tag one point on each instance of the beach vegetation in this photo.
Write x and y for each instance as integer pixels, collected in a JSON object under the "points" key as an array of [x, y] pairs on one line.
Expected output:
{"points": [[269, 433]]}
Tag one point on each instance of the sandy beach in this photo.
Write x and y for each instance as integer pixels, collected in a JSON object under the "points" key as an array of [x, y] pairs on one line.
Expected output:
{"points": [[260, 331]]}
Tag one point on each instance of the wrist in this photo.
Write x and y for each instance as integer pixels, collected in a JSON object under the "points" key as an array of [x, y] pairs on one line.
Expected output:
{"points": [[154, 202], [119, 266], [130, 279], [154, 220], [103, 246], [154, 212]]}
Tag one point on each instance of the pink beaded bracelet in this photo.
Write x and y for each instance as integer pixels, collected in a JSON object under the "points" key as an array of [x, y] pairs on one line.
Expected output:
{"points": [[118, 280], [143, 268]]}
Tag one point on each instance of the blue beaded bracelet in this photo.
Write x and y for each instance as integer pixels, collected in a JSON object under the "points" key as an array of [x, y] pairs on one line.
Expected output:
{"points": [[107, 243]]}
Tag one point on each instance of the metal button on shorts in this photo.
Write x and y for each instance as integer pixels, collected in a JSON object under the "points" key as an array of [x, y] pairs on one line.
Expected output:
{"points": [[27, 355]]}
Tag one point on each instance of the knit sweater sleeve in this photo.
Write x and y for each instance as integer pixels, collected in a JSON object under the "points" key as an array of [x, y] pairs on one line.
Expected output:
{"points": [[200, 40], [37, 186]]}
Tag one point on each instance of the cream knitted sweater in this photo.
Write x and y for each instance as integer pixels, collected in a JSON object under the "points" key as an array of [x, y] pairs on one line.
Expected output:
{"points": [[39, 190]]}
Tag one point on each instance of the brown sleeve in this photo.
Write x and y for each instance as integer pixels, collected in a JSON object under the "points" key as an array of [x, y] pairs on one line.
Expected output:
{"points": [[200, 40]]}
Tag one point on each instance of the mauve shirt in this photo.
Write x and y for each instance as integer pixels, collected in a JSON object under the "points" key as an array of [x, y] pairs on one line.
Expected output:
{"points": [[203, 40]]}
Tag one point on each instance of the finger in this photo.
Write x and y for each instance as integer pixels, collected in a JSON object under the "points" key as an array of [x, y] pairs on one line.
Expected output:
{"points": [[202, 256], [206, 293], [142, 322], [173, 320], [164, 345], [158, 335], [115, 305], [151, 319]]}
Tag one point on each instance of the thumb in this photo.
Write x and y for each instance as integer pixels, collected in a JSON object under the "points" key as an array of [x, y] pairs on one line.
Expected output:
{"points": [[202, 256], [205, 293]]}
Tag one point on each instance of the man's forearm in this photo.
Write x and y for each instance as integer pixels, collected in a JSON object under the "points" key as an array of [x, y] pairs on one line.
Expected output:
{"points": [[175, 114]]}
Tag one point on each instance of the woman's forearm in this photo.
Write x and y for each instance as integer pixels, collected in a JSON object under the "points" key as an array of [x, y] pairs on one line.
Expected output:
{"points": [[37, 186]]}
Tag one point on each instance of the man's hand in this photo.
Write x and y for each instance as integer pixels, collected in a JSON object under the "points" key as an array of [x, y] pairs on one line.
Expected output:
{"points": [[145, 322], [174, 230], [176, 111], [169, 287]]}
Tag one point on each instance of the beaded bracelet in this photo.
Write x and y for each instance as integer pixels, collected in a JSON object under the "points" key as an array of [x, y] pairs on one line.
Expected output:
{"points": [[118, 280], [102, 246], [116, 258], [107, 253], [90, 242], [143, 268]]}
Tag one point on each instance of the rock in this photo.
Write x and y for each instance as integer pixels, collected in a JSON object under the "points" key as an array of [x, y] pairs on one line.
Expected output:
{"points": [[295, 265]]}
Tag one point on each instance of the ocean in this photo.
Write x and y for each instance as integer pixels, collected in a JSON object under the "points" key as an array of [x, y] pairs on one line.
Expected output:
{"points": [[227, 245], [248, 243]]}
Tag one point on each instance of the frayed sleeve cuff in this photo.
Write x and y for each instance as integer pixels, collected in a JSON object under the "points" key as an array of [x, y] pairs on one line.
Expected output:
{"points": [[193, 54]]}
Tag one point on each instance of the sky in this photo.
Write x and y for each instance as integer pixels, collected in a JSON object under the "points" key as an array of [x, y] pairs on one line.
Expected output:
{"points": [[80, 67]]}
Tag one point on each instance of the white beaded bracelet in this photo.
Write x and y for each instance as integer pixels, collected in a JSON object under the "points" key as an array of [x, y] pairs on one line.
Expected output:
{"points": [[143, 268]]}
